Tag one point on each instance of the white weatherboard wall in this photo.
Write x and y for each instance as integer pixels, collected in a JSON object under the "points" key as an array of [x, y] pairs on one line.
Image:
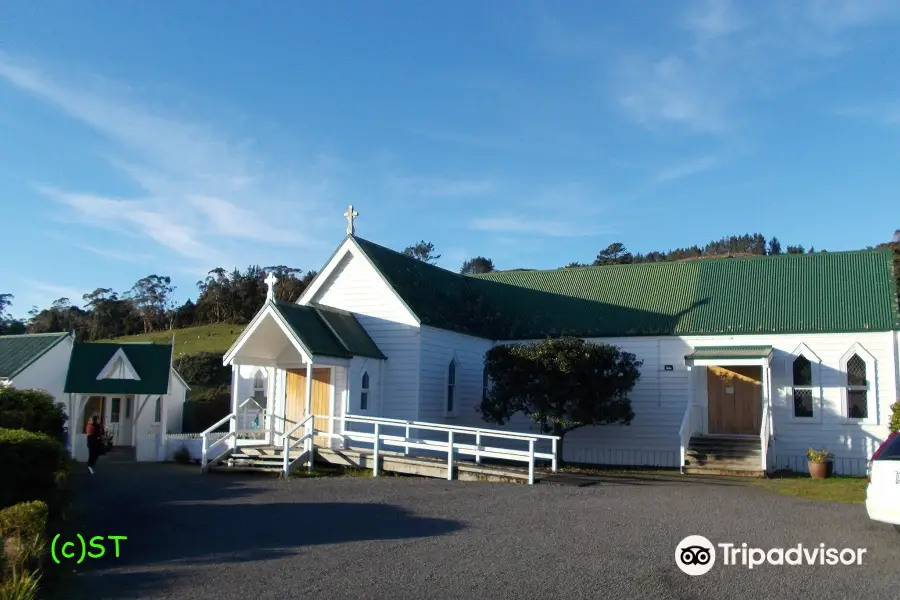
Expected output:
{"points": [[356, 287], [439, 347], [660, 397], [48, 373], [175, 404]]}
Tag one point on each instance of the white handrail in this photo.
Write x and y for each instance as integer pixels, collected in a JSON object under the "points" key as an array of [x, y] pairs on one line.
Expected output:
{"points": [[309, 424], [451, 446], [456, 428], [206, 446]]}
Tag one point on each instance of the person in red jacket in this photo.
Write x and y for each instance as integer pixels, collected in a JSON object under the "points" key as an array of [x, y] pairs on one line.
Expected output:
{"points": [[94, 433]]}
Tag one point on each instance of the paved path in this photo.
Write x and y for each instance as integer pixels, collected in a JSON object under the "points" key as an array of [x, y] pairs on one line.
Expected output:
{"points": [[229, 537]]}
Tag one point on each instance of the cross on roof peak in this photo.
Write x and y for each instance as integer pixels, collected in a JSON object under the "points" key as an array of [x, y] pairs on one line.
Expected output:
{"points": [[271, 280], [351, 215]]}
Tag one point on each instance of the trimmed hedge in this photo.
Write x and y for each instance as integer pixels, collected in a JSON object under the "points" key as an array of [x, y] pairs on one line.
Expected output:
{"points": [[203, 369], [30, 465], [32, 410]]}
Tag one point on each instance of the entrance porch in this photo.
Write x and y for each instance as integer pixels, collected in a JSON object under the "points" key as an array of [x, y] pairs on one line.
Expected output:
{"points": [[291, 363], [727, 425]]}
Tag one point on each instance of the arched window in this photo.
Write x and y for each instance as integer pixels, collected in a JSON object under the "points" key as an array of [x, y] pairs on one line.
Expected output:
{"points": [[451, 385], [259, 387], [803, 390], [485, 384], [857, 388], [364, 392], [157, 413]]}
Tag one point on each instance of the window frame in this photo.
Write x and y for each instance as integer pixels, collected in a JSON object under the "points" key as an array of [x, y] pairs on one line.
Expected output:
{"points": [[264, 388], [871, 387], [451, 387], [815, 386], [364, 391], [115, 410]]}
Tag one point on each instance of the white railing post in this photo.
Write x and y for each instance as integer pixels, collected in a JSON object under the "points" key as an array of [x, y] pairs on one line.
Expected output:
{"points": [[375, 448], [555, 459], [406, 445], [531, 461], [310, 446], [204, 450], [477, 447], [285, 468], [450, 455]]}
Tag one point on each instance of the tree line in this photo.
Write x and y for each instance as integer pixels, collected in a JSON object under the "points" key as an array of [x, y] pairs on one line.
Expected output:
{"points": [[235, 296], [149, 305]]}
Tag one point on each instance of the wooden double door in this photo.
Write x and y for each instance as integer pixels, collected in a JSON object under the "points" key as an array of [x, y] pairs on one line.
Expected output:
{"points": [[735, 400], [320, 400]]}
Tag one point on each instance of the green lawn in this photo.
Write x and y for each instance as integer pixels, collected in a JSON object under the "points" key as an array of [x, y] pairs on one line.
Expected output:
{"points": [[191, 340], [851, 490]]}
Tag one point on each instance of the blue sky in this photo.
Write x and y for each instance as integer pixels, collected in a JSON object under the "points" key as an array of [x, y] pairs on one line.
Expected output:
{"points": [[172, 137]]}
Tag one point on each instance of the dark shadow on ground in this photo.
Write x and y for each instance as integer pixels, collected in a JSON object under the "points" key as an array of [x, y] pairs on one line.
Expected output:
{"points": [[173, 515]]}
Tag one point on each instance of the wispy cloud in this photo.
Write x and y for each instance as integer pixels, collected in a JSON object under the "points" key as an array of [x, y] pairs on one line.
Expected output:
{"points": [[437, 187], [714, 19], [547, 227], [686, 169], [701, 74], [44, 293], [671, 91], [483, 140], [203, 191]]}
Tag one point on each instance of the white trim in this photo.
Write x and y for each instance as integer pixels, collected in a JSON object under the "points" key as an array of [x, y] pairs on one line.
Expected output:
{"points": [[872, 416], [815, 385], [728, 362], [269, 310], [454, 360], [348, 246], [107, 371]]}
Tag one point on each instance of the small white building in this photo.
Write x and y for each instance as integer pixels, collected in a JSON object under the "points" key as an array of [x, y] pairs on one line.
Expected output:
{"points": [[767, 355], [132, 389]]}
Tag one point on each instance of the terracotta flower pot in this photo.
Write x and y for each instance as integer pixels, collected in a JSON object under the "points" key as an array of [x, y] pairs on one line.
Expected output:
{"points": [[820, 469]]}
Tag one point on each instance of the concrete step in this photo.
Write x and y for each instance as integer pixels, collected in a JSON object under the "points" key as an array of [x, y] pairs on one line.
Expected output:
{"points": [[717, 470]]}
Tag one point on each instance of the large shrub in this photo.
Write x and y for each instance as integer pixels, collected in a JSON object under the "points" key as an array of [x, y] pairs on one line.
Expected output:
{"points": [[30, 463], [24, 520], [32, 410], [203, 369], [895, 417]]}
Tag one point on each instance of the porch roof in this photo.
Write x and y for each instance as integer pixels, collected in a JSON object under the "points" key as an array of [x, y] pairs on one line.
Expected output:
{"points": [[327, 331], [712, 354], [151, 363]]}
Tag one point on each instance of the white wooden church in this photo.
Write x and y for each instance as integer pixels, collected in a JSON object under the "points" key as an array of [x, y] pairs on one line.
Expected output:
{"points": [[747, 361]]}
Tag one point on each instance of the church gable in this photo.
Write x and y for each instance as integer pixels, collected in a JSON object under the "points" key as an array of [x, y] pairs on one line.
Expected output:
{"points": [[351, 283]]}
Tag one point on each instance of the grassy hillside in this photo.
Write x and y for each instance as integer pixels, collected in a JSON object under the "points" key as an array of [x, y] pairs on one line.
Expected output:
{"points": [[191, 340]]}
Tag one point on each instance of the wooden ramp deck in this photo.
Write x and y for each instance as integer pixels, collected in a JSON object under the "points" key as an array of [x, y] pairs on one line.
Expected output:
{"points": [[269, 459]]}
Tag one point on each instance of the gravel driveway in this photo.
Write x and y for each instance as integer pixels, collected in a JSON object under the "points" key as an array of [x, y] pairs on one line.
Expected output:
{"points": [[234, 537]]}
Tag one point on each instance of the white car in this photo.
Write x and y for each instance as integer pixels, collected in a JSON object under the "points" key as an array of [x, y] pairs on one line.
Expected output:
{"points": [[883, 491]]}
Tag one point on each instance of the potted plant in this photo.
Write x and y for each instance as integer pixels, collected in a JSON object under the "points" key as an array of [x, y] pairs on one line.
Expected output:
{"points": [[820, 463]]}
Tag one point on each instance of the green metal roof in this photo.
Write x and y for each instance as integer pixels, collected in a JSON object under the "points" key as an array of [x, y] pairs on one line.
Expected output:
{"points": [[152, 362], [730, 352], [795, 293], [18, 352], [328, 332]]}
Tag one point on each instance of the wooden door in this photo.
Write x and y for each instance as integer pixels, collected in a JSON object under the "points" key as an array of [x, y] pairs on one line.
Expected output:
{"points": [[735, 400], [320, 401]]}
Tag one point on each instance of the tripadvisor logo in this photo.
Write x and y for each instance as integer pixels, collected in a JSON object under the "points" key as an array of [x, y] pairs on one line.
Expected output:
{"points": [[695, 555]]}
